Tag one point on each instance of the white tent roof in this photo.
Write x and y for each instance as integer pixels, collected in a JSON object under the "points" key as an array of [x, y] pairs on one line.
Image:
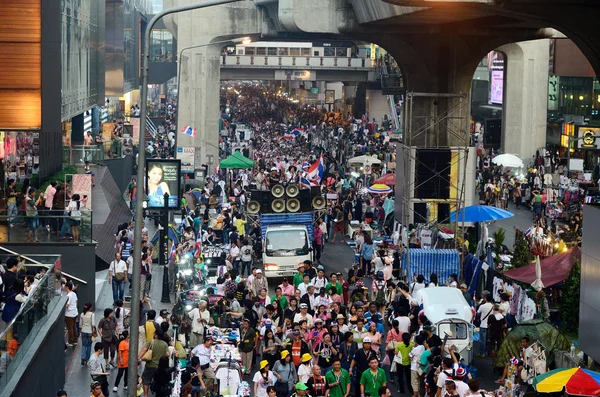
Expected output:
{"points": [[364, 159], [443, 303]]}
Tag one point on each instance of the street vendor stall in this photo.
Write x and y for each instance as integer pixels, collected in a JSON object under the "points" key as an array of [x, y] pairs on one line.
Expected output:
{"points": [[443, 262]]}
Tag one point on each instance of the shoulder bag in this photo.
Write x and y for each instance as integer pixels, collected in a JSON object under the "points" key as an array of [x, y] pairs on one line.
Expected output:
{"points": [[148, 355], [478, 319], [283, 387]]}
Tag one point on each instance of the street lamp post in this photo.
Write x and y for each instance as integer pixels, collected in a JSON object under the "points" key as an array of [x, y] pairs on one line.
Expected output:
{"points": [[137, 263]]}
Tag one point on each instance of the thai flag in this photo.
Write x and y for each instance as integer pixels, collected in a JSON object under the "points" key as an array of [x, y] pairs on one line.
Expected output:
{"points": [[304, 183], [198, 245], [297, 131], [172, 254], [528, 232], [305, 165], [187, 130], [315, 172], [288, 135], [183, 225]]}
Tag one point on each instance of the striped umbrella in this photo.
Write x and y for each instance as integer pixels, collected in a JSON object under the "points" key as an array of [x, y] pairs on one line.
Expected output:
{"points": [[379, 188], [575, 381], [388, 179]]}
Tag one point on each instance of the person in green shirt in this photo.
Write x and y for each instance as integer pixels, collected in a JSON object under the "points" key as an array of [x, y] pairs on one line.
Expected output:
{"points": [[159, 349], [281, 300], [372, 379], [402, 350], [338, 381], [299, 277], [334, 284]]}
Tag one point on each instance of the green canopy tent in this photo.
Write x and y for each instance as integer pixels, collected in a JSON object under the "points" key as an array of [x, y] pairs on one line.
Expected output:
{"points": [[538, 330], [236, 161]]}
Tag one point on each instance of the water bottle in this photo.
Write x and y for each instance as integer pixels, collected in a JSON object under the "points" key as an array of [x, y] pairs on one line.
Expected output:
{"points": [[572, 350]]}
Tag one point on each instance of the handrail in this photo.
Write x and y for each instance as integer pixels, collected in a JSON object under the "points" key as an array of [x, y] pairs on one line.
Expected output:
{"points": [[38, 263]]}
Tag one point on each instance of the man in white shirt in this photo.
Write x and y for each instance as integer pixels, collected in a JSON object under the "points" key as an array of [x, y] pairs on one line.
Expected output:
{"points": [[448, 371], [259, 283], [129, 264], [71, 314], [320, 281], [304, 315], [417, 284], [484, 312], [199, 317], [204, 353], [403, 321], [117, 272]]}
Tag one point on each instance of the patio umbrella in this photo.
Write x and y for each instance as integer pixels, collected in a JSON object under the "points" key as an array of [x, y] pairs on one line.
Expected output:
{"points": [[508, 160], [575, 381], [537, 283], [387, 179], [379, 189], [480, 213]]}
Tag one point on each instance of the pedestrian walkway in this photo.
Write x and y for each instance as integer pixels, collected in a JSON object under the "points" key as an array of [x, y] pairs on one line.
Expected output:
{"points": [[78, 379], [522, 220]]}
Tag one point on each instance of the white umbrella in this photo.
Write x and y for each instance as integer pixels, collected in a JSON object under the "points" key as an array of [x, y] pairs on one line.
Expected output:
{"points": [[538, 284], [364, 159], [508, 160]]}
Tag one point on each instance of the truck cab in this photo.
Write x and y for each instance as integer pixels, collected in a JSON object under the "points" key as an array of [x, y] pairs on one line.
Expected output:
{"points": [[285, 246], [451, 316]]}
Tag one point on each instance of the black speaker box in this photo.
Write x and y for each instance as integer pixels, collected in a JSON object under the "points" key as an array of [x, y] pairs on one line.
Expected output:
{"points": [[420, 212], [264, 198], [443, 212], [433, 173], [305, 200]]}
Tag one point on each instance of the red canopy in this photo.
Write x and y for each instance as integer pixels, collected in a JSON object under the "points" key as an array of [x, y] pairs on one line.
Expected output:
{"points": [[555, 269], [387, 179]]}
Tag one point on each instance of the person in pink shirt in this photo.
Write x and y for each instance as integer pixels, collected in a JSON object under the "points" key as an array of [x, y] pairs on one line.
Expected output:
{"points": [[287, 289], [49, 199], [315, 336]]}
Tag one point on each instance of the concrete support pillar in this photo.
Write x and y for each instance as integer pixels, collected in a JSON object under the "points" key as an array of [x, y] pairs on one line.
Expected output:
{"points": [[525, 97], [200, 68]]}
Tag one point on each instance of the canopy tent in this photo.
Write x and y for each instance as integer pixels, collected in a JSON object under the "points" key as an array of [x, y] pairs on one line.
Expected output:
{"points": [[236, 161], [508, 160], [364, 159], [442, 262], [537, 330], [555, 269]]}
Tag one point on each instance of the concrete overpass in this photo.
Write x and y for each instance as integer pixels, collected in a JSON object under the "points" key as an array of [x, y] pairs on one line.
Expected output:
{"points": [[437, 44]]}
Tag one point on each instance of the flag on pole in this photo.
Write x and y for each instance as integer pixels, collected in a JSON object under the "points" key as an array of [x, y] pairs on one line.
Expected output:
{"points": [[173, 251], [187, 130], [315, 172], [304, 183], [528, 232]]}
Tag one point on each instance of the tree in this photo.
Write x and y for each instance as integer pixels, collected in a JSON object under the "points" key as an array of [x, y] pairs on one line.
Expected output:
{"points": [[569, 301], [522, 252], [499, 236]]}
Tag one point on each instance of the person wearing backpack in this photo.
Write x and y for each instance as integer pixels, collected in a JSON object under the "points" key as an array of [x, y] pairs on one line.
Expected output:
{"points": [[246, 256]]}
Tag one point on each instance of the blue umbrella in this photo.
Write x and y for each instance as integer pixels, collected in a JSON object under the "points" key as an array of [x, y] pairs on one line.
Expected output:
{"points": [[480, 213]]}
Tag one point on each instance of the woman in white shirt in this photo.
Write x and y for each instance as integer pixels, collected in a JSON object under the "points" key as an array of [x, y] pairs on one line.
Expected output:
{"points": [[74, 210], [121, 314], [305, 369], [263, 379], [86, 322]]}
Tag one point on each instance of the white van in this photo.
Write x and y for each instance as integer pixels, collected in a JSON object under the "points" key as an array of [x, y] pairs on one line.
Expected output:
{"points": [[451, 315]]}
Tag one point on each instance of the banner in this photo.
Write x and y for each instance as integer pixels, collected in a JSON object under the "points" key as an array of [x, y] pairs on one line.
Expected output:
{"points": [[82, 185], [162, 176], [187, 155]]}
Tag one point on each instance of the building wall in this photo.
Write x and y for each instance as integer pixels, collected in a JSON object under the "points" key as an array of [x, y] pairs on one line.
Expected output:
{"points": [[82, 55], [377, 105], [589, 307], [125, 22]]}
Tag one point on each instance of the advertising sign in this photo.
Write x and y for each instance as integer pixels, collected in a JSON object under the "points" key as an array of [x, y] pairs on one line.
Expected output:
{"points": [[589, 137], [162, 176], [82, 185], [496, 69], [187, 155], [329, 97]]}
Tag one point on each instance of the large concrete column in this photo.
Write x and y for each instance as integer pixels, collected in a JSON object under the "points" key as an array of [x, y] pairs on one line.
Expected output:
{"points": [[200, 68], [525, 97]]}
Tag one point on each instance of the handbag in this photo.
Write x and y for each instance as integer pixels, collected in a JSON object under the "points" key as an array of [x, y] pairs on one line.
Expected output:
{"points": [[391, 345], [148, 355], [478, 319]]}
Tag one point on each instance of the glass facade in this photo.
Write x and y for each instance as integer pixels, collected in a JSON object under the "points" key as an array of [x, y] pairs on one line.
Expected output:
{"points": [[20, 154]]}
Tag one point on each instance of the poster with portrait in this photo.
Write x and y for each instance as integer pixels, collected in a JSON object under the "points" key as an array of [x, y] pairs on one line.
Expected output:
{"points": [[162, 176]]}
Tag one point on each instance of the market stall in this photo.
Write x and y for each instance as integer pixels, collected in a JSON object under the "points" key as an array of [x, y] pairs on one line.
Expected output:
{"points": [[443, 262]]}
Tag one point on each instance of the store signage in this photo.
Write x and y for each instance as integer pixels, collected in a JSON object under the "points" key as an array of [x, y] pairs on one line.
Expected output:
{"points": [[588, 137]]}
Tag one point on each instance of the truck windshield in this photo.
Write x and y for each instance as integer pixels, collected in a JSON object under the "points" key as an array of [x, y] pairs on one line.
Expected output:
{"points": [[286, 243]]}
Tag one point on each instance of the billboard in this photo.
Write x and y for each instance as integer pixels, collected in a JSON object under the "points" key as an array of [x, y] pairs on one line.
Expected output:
{"points": [[495, 62], [187, 156], [162, 176], [329, 97]]}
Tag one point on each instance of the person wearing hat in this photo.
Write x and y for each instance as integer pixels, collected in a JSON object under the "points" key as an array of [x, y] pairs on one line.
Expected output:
{"points": [[285, 372], [432, 339], [341, 321], [299, 277], [297, 347], [459, 380], [468, 297], [301, 390], [361, 361], [287, 289], [263, 379], [163, 316], [305, 368], [259, 282], [304, 315], [372, 379]]}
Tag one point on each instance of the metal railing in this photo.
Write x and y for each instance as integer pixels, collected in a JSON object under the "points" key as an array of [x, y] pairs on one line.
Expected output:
{"points": [[79, 154], [52, 227], [23, 328]]}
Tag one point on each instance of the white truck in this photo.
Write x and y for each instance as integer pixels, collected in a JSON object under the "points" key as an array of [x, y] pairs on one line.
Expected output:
{"points": [[451, 315], [287, 241]]}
